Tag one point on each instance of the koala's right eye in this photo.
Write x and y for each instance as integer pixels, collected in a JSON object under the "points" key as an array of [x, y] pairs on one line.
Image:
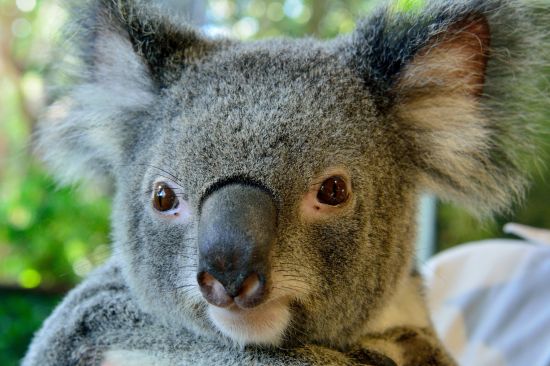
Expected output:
{"points": [[164, 198]]}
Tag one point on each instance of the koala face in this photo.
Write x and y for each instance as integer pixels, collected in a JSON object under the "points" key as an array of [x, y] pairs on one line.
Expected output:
{"points": [[264, 119], [266, 191]]}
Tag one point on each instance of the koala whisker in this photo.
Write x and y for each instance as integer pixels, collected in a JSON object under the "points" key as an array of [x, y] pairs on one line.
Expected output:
{"points": [[177, 192], [293, 326], [291, 289], [289, 275], [139, 240], [172, 176], [293, 281], [186, 254], [191, 255], [292, 329], [302, 288], [175, 189], [286, 256], [286, 271], [288, 268], [293, 278], [189, 266], [186, 292], [290, 264]]}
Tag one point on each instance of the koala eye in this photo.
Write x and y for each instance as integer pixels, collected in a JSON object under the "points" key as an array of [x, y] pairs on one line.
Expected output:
{"points": [[333, 191], [164, 197]]}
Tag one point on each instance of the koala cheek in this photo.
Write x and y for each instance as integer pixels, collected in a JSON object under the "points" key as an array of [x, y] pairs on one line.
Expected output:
{"points": [[180, 215]]}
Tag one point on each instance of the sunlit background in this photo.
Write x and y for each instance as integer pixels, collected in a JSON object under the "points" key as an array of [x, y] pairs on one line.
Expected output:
{"points": [[51, 237]]}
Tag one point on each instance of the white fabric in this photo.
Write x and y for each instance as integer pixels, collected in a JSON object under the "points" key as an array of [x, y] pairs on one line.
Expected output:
{"points": [[490, 302]]}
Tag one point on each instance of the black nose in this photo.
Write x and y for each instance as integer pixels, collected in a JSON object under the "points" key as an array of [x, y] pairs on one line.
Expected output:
{"points": [[237, 228]]}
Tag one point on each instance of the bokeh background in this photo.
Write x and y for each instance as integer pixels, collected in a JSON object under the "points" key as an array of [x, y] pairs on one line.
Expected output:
{"points": [[51, 237]]}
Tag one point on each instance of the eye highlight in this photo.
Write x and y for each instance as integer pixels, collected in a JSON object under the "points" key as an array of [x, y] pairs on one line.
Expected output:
{"points": [[333, 191], [164, 197]]}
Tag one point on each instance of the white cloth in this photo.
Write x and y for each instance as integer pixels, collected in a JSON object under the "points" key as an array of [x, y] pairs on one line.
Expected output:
{"points": [[490, 302]]}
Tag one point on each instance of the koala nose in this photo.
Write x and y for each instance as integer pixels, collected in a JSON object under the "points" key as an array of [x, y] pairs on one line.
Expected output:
{"points": [[246, 294], [237, 228]]}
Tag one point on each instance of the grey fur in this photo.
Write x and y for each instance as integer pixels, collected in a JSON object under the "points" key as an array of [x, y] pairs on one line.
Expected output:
{"points": [[156, 100]]}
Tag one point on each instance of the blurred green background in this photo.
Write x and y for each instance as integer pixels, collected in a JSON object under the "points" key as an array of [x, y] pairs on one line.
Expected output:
{"points": [[51, 237]]}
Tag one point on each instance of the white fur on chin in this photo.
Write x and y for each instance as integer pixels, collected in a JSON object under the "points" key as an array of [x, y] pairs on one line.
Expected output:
{"points": [[264, 324]]}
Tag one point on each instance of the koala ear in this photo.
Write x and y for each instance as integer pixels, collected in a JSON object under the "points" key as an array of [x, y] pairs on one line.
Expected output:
{"points": [[126, 52], [460, 82], [454, 63]]}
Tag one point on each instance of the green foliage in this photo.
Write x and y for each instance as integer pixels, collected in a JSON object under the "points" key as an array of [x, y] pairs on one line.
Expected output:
{"points": [[52, 236], [408, 6], [260, 18], [49, 237], [20, 315]]}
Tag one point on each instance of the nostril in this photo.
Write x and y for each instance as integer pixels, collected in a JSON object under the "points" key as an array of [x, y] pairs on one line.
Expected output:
{"points": [[213, 291], [251, 285], [247, 294], [252, 292]]}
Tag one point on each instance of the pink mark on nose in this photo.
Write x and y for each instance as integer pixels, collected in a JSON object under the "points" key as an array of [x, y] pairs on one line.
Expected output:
{"points": [[252, 292], [213, 291]]}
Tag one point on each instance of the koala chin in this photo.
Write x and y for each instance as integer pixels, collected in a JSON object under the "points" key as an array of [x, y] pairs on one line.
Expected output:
{"points": [[265, 324], [265, 193]]}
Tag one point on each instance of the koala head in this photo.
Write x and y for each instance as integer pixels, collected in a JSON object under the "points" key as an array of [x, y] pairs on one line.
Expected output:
{"points": [[267, 191]]}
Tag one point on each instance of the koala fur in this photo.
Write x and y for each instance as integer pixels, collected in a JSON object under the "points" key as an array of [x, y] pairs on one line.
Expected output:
{"points": [[444, 99]]}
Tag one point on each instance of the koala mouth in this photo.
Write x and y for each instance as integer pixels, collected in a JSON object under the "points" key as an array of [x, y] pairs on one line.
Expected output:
{"points": [[264, 324]]}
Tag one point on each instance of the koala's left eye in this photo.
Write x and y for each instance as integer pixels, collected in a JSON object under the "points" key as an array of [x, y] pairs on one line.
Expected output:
{"points": [[333, 191], [164, 198], [330, 193]]}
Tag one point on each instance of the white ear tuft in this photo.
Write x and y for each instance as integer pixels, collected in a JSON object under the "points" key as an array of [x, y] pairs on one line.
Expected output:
{"points": [[82, 134], [126, 52]]}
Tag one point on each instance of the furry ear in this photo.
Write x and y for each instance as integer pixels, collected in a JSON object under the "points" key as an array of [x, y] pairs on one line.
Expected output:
{"points": [[461, 80], [453, 63], [126, 53]]}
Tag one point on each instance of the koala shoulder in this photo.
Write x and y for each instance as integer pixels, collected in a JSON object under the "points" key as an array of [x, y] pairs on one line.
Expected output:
{"points": [[75, 331]]}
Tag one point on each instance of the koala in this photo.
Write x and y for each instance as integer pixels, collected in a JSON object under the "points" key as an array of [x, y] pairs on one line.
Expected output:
{"points": [[265, 192]]}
